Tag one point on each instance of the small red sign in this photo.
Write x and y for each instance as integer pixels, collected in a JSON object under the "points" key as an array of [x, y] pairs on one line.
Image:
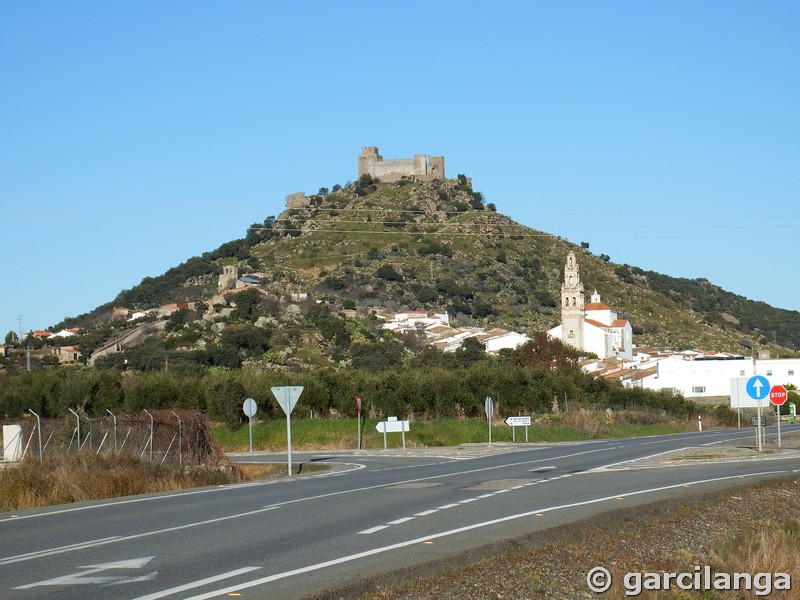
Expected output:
{"points": [[777, 395], [358, 404]]}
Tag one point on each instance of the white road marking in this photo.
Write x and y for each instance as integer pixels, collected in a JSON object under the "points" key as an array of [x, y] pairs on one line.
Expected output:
{"points": [[373, 529], [198, 583], [398, 521], [443, 534], [41, 553], [467, 501], [83, 577], [446, 506], [101, 542], [425, 513]]}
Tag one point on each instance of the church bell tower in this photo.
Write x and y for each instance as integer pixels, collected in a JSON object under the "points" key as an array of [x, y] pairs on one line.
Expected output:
{"points": [[572, 302]]}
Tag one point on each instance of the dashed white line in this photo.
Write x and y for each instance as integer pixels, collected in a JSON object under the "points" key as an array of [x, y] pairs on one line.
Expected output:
{"points": [[398, 521], [443, 534], [448, 506], [425, 513], [373, 529]]}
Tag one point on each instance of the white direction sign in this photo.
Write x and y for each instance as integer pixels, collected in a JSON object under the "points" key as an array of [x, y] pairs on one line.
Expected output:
{"points": [[287, 396], [518, 421], [392, 426]]}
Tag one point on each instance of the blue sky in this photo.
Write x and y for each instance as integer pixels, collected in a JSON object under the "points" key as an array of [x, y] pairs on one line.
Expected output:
{"points": [[136, 135]]}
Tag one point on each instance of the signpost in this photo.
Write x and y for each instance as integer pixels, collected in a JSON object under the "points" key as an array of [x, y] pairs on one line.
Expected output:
{"points": [[358, 409], [778, 395], [287, 396], [249, 407], [488, 407], [392, 425], [758, 388], [518, 422]]}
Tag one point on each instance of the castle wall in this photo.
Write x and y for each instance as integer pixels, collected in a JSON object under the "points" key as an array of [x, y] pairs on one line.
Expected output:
{"points": [[419, 167], [297, 200]]}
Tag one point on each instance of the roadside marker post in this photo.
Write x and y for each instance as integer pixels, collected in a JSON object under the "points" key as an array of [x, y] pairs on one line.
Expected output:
{"points": [[287, 396]]}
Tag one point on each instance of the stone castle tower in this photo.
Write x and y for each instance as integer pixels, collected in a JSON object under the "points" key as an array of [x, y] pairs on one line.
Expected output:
{"points": [[420, 167], [227, 281], [573, 299]]}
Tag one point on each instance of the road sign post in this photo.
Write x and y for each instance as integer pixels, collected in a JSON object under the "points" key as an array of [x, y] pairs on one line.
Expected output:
{"points": [[392, 425], [358, 410], [519, 421], [287, 396], [778, 395], [758, 388], [249, 407], [488, 407]]}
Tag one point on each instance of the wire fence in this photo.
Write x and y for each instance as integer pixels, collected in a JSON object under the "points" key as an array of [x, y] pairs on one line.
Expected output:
{"points": [[159, 436]]}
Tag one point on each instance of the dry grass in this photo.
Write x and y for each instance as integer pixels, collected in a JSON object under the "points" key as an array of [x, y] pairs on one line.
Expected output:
{"points": [[773, 549], [82, 477]]}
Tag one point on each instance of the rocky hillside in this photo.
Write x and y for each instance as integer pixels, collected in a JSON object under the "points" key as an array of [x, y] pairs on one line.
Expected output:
{"points": [[374, 247]]}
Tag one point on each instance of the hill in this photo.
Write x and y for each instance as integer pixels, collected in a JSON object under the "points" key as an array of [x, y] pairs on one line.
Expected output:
{"points": [[374, 247]]}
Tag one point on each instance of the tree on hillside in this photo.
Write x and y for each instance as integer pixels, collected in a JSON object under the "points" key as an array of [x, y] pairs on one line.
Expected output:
{"points": [[543, 350], [470, 351]]}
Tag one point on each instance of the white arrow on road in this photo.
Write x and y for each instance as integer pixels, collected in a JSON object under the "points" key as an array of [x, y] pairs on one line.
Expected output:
{"points": [[83, 578]]}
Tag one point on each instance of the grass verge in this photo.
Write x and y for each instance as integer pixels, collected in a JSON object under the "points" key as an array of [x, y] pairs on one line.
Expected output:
{"points": [[316, 434]]}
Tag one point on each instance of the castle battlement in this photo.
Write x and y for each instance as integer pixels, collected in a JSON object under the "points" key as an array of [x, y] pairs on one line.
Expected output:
{"points": [[421, 167]]}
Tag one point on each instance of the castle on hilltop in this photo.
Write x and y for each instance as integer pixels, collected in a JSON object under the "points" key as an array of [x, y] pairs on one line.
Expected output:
{"points": [[420, 167]]}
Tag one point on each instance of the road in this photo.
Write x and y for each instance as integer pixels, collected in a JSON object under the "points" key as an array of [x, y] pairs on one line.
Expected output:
{"points": [[297, 537]]}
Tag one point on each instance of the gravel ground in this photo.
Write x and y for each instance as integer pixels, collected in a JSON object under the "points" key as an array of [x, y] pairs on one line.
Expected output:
{"points": [[665, 536]]}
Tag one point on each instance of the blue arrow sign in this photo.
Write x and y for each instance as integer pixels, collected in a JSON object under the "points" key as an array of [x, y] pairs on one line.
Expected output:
{"points": [[757, 387]]}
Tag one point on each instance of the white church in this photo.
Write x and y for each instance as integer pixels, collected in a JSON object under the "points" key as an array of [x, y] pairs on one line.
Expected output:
{"points": [[592, 327]]}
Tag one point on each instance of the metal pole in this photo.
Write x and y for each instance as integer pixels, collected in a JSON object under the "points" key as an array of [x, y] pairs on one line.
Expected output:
{"points": [[403, 431], [760, 429], [79, 426], [778, 412], [115, 429], [289, 439], [39, 429], [384, 435], [359, 429], [180, 437], [152, 430]]}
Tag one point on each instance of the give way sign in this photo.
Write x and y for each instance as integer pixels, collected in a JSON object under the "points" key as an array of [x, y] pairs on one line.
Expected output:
{"points": [[777, 395]]}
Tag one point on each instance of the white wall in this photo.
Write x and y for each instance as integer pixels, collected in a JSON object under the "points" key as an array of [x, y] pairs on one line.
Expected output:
{"points": [[714, 376]]}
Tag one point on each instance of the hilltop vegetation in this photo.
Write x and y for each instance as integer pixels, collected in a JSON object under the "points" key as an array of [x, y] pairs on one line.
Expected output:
{"points": [[372, 247]]}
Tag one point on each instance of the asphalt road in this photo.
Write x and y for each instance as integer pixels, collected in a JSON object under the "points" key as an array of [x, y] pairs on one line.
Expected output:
{"points": [[373, 514]]}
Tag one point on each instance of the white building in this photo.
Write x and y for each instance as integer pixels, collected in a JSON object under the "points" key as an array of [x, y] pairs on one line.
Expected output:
{"points": [[699, 375], [592, 327]]}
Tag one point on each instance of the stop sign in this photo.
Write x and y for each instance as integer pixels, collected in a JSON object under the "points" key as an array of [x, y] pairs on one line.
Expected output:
{"points": [[777, 395]]}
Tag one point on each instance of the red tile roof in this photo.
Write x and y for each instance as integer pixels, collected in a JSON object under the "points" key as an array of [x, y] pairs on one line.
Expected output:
{"points": [[596, 306]]}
